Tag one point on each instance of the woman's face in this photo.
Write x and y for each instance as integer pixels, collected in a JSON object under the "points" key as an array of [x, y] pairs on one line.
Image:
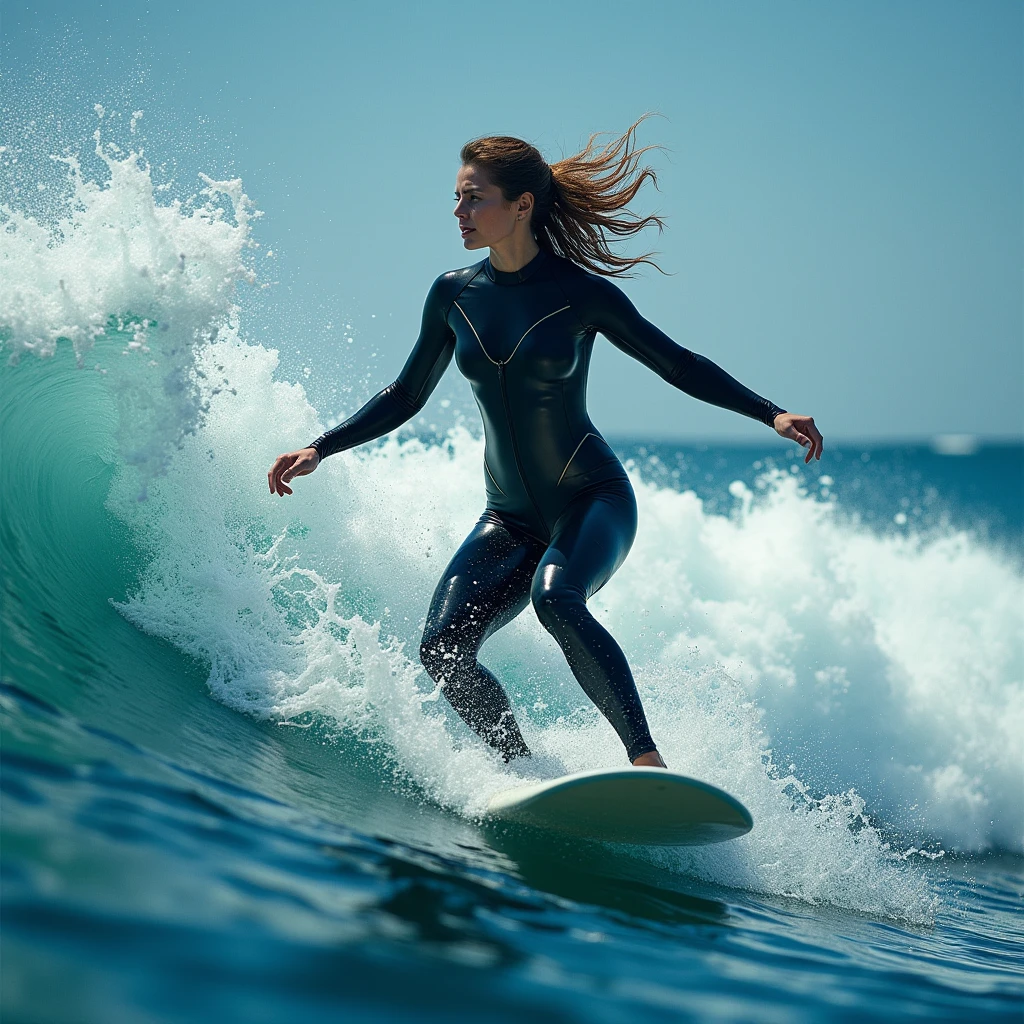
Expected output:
{"points": [[485, 218]]}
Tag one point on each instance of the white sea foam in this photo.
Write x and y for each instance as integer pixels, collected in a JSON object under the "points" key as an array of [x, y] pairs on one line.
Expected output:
{"points": [[151, 279], [892, 664], [314, 604]]}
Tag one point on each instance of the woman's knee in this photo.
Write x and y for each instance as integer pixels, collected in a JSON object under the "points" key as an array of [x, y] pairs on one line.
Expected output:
{"points": [[435, 653], [447, 664], [445, 652], [554, 602]]}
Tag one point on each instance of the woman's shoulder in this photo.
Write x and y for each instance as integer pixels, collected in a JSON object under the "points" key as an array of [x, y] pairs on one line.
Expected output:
{"points": [[584, 284], [446, 287], [459, 278]]}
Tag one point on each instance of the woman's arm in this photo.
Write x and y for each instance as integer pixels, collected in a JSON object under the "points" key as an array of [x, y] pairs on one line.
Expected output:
{"points": [[403, 398], [388, 409], [611, 312], [608, 309]]}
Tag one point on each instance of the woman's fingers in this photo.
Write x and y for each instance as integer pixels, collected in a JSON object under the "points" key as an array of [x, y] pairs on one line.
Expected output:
{"points": [[819, 441], [793, 433], [815, 442], [287, 467], [802, 430], [278, 472], [272, 475], [805, 442], [283, 476]]}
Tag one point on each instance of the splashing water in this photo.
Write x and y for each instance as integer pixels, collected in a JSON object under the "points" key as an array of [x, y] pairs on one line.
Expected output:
{"points": [[150, 281]]}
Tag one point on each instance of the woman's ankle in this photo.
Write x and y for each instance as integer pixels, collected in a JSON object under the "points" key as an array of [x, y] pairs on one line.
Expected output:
{"points": [[652, 759]]}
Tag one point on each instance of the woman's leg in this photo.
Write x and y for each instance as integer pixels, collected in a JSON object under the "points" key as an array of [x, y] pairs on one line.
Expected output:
{"points": [[590, 541], [485, 586]]}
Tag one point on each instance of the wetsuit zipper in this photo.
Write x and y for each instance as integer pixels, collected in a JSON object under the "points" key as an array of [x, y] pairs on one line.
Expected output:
{"points": [[515, 446]]}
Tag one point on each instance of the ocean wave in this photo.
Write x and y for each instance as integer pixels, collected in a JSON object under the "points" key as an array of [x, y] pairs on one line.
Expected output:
{"points": [[860, 693]]}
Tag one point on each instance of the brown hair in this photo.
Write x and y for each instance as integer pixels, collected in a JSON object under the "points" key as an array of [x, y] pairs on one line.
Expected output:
{"points": [[577, 201]]}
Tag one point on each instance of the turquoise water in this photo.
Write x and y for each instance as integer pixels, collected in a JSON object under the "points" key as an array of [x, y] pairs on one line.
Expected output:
{"points": [[230, 793]]}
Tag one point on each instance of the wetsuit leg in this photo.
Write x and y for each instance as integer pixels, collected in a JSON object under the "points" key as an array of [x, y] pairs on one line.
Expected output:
{"points": [[589, 542], [485, 586]]}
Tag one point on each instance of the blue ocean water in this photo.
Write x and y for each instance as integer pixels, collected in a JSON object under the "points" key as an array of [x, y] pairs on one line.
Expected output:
{"points": [[230, 793]]}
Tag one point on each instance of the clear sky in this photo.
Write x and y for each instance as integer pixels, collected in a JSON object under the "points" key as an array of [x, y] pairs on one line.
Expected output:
{"points": [[842, 181]]}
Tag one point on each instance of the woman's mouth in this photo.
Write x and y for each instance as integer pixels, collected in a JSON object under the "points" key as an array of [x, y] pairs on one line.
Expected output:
{"points": [[465, 231]]}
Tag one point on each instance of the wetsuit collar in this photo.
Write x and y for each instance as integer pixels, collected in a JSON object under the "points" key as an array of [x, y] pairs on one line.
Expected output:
{"points": [[514, 276]]}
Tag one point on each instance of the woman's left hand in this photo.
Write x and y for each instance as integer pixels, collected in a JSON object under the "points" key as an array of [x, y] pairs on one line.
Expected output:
{"points": [[802, 430]]}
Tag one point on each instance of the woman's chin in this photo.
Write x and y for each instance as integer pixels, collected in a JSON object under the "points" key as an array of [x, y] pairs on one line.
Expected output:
{"points": [[472, 242]]}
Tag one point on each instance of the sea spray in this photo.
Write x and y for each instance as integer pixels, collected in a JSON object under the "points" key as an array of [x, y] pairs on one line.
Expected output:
{"points": [[132, 284]]}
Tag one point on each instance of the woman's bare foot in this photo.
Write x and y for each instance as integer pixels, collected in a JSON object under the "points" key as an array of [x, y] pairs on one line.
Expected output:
{"points": [[652, 759]]}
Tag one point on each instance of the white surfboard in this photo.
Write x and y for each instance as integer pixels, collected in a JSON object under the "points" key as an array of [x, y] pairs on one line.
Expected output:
{"points": [[649, 806]]}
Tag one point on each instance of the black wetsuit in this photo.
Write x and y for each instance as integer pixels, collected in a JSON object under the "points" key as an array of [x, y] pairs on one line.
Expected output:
{"points": [[560, 515]]}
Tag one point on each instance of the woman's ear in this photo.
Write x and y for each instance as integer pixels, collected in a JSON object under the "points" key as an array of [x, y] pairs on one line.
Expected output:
{"points": [[524, 206]]}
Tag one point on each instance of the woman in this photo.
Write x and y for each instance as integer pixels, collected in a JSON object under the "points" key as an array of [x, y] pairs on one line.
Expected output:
{"points": [[560, 514]]}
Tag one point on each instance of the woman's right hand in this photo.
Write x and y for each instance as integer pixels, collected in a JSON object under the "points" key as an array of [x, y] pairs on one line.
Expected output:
{"points": [[287, 467]]}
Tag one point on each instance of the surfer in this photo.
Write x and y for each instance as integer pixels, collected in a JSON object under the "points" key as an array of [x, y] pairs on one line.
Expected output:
{"points": [[560, 515]]}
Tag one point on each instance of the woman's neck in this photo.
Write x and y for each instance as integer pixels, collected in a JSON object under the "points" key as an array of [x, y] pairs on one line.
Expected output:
{"points": [[513, 253]]}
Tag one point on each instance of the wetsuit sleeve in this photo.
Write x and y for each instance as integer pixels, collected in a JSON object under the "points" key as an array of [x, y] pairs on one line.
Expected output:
{"points": [[403, 398], [608, 310]]}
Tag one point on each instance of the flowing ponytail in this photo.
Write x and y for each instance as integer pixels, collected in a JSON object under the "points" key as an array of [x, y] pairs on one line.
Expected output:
{"points": [[579, 202]]}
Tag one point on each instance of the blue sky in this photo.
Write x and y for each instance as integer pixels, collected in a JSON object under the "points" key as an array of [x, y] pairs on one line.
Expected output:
{"points": [[842, 181]]}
